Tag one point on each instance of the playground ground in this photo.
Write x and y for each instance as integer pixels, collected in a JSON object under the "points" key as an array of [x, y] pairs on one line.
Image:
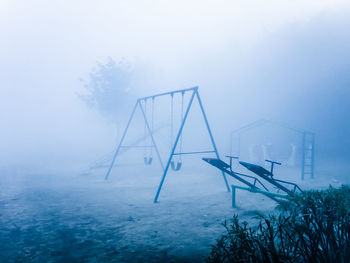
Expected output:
{"points": [[82, 218]]}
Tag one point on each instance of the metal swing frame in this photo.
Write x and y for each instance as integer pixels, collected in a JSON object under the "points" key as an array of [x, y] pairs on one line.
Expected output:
{"points": [[165, 169]]}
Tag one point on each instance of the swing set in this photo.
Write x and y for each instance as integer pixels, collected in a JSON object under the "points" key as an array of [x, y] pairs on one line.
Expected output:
{"points": [[174, 160], [148, 149]]}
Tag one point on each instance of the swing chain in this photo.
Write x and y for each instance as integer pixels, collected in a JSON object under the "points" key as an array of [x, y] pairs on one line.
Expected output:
{"points": [[148, 159], [145, 130], [152, 125], [176, 166], [172, 120], [182, 119]]}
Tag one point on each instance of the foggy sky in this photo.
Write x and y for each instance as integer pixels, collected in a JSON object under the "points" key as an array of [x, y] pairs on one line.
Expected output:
{"points": [[274, 59]]}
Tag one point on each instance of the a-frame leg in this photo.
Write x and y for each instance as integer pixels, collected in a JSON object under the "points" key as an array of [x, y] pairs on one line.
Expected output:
{"points": [[138, 103], [173, 148], [121, 142], [211, 136]]}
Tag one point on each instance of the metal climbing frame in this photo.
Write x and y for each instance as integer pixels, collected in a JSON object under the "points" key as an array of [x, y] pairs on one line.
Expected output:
{"points": [[307, 144], [194, 94], [308, 155]]}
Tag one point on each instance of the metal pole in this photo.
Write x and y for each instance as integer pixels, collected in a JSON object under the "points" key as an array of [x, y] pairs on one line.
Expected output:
{"points": [[303, 157], [233, 196], [231, 142], [211, 136], [239, 145], [121, 141], [174, 147], [313, 156], [151, 135]]}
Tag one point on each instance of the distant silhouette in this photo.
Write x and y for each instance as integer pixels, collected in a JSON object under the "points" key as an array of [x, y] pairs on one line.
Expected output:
{"points": [[108, 88]]}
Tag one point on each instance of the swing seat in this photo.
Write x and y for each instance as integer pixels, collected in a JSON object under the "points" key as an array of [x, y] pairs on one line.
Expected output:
{"points": [[147, 160], [176, 167]]}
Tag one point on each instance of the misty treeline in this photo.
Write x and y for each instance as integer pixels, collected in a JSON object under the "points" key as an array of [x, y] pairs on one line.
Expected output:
{"points": [[313, 227]]}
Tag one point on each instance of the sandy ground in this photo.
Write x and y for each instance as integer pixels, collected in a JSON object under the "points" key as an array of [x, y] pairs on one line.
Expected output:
{"points": [[82, 218]]}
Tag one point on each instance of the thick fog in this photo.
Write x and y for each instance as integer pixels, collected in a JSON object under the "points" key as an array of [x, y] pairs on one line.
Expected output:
{"points": [[282, 60], [70, 75]]}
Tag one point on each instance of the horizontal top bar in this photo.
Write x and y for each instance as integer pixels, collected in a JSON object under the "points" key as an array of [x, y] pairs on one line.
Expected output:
{"points": [[137, 146], [193, 152], [168, 93], [262, 122], [269, 161]]}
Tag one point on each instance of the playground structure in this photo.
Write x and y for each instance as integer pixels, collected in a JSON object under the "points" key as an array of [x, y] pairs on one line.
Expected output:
{"points": [[254, 184], [306, 141], [176, 141]]}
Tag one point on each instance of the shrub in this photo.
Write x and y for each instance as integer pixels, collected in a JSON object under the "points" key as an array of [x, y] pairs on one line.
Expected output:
{"points": [[314, 226]]}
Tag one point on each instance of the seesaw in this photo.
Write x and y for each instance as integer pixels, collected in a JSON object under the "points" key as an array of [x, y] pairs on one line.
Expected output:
{"points": [[253, 183]]}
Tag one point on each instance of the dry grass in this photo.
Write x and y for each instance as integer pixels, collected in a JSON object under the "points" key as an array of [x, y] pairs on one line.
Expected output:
{"points": [[313, 226]]}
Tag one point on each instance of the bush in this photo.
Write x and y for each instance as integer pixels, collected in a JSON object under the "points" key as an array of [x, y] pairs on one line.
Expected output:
{"points": [[313, 226]]}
